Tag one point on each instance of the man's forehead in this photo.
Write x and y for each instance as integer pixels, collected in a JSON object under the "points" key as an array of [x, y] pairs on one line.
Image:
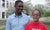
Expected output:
{"points": [[20, 3]]}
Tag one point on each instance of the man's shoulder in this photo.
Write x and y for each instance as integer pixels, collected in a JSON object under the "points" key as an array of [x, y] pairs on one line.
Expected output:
{"points": [[24, 15], [11, 16]]}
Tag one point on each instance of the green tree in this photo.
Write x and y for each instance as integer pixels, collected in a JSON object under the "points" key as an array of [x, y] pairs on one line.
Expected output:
{"points": [[40, 7], [10, 11], [28, 7]]}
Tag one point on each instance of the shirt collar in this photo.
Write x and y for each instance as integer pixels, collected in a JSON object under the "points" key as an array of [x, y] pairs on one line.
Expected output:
{"points": [[19, 16]]}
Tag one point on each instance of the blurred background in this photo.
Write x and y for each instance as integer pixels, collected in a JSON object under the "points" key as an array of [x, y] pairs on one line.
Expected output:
{"points": [[7, 8]]}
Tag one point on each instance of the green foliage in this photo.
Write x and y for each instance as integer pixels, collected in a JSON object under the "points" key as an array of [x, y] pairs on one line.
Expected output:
{"points": [[10, 11], [44, 12], [48, 13], [2, 20], [2, 29], [47, 18], [28, 7], [48, 27]]}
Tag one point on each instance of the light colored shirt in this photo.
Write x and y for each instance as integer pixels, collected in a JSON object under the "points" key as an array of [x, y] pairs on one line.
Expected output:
{"points": [[17, 23]]}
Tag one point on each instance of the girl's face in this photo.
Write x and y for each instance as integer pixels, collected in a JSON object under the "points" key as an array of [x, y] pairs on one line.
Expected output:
{"points": [[36, 16]]}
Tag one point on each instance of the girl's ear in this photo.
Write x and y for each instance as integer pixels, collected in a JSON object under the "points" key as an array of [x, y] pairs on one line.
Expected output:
{"points": [[40, 16]]}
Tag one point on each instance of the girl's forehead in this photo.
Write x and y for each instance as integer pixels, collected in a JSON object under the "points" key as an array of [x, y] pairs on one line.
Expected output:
{"points": [[37, 12]]}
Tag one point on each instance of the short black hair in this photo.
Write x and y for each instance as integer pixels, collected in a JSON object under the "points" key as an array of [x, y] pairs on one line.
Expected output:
{"points": [[16, 2], [37, 10]]}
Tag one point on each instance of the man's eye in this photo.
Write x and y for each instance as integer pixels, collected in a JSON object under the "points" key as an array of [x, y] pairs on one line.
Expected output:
{"points": [[20, 6]]}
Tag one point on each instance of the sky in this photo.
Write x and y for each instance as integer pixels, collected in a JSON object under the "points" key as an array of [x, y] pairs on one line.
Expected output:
{"points": [[34, 2]]}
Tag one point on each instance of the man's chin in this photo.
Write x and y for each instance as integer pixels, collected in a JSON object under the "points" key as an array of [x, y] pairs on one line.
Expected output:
{"points": [[19, 13]]}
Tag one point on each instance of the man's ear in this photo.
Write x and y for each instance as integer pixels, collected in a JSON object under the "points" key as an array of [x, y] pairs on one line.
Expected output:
{"points": [[14, 6]]}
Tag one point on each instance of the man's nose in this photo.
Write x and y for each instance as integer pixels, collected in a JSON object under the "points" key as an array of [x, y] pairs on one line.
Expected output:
{"points": [[21, 7]]}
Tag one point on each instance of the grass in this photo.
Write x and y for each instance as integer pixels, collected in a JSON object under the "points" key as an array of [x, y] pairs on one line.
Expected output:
{"points": [[2, 29], [2, 20], [47, 18], [44, 21], [48, 27]]}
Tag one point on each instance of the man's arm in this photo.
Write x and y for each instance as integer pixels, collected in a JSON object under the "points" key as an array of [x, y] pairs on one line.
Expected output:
{"points": [[8, 25], [27, 27], [27, 22]]}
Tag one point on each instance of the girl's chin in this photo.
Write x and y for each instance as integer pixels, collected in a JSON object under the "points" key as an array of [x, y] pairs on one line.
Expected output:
{"points": [[34, 19]]}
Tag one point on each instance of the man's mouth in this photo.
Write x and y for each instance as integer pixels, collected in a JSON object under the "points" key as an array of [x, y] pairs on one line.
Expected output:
{"points": [[35, 18]]}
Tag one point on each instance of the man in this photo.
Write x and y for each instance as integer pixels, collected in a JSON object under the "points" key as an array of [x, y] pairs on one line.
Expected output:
{"points": [[36, 25], [18, 20]]}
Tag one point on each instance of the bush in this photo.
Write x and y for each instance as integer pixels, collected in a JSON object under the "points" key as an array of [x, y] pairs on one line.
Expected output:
{"points": [[46, 13]]}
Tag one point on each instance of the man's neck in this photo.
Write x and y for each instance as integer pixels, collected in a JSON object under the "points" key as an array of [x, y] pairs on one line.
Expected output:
{"points": [[17, 14]]}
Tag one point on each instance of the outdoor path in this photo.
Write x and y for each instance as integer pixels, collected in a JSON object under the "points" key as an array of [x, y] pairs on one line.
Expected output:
{"points": [[2, 26]]}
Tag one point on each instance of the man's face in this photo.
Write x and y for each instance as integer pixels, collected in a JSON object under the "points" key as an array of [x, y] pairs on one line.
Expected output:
{"points": [[36, 16], [19, 8]]}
